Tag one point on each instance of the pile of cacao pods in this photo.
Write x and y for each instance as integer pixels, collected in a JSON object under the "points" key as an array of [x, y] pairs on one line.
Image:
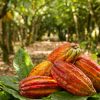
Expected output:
{"points": [[66, 68]]}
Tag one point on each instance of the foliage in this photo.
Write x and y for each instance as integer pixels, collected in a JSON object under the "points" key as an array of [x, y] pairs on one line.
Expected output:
{"points": [[4, 95], [9, 88], [9, 81], [64, 96], [22, 63], [9, 85], [29, 20]]}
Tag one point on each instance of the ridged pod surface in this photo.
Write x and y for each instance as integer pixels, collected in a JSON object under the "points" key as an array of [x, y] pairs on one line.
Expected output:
{"points": [[63, 52], [37, 86], [91, 69], [42, 69], [72, 79]]}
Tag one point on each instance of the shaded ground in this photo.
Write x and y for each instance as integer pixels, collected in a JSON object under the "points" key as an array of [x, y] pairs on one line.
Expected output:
{"points": [[38, 52]]}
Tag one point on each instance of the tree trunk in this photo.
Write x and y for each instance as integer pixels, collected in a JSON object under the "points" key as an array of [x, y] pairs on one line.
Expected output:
{"points": [[10, 39], [94, 19], [4, 41], [61, 35], [75, 18]]}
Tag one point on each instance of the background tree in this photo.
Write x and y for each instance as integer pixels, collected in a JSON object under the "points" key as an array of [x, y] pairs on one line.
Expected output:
{"points": [[27, 21]]}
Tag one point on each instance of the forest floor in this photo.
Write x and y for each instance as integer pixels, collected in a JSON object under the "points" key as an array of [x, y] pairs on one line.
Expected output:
{"points": [[37, 51]]}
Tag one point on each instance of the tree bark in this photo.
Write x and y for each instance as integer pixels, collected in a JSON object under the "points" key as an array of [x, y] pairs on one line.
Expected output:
{"points": [[3, 43], [93, 16]]}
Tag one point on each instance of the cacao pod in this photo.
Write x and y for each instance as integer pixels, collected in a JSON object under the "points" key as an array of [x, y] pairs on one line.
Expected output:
{"points": [[65, 52], [37, 86], [91, 69], [42, 69], [72, 79]]}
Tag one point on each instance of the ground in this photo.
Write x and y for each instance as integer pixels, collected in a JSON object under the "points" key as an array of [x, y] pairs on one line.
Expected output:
{"points": [[37, 51]]}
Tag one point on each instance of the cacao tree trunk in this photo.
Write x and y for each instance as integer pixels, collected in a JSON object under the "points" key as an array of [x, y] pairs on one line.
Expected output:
{"points": [[4, 41], [94, 19], [61, 35], [75, 18]]}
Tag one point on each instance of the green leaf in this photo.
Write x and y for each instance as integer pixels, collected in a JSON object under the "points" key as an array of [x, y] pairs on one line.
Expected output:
{"points": [[9, 81], [62, 95], [9, 85], [13, 93], [22, 63], [4, 96], [95, 97]]}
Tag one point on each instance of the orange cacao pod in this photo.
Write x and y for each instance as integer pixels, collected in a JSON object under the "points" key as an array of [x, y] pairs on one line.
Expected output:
{"points": [[72, 79], [37, 86], [91, 69], [64, 52], [42, 69]]}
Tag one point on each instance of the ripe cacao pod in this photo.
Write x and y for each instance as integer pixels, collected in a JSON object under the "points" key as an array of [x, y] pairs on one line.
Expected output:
{"points": [[65, 52], [91, 69], [42, 69], [37, 86], [72, 79]]}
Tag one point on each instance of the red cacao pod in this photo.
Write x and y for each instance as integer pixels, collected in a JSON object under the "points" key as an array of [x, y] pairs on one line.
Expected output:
{"points": [[91, 69], [37, 86], [72, 79], [67, 52]]}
